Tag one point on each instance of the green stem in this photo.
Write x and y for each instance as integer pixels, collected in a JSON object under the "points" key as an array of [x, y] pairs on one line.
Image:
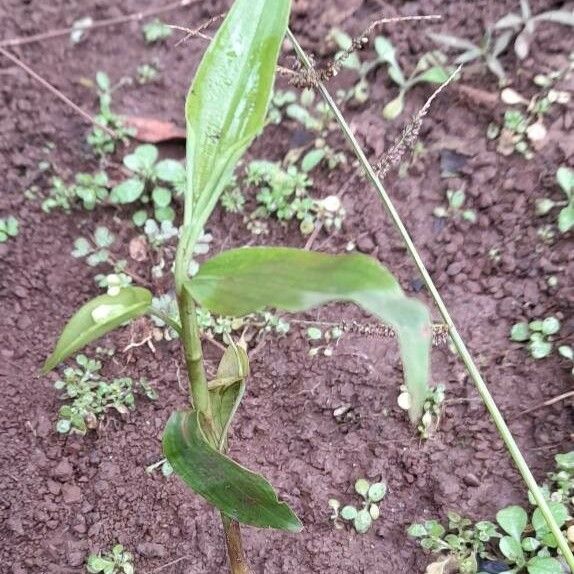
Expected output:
{"points": [[457, 340], [198, 389], [166, 319]]}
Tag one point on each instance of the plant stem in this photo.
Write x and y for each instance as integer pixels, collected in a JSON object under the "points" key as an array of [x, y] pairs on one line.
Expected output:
{"points": [[237, 560], [166, 319], [457, 340], [194, 356]]}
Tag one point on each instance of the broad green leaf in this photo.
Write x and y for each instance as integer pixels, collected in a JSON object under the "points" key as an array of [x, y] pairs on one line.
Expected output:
{"points": [[170, 170], [96, 318], [237, 492], [243, 281], [362, 521], [227, 390], [558, 511], [161, 196], [520, 332], [512, 520], [512, 549], [348, 512], [227, 103], [127, 191], [544, 565], [142, 159]]}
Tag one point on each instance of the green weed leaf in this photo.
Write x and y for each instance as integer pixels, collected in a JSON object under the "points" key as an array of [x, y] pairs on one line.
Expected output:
{"points": [[242, 281], [512, 549], [512, 520], [127, 191], [96, 318], [227, 103], [237, 492], [544, 565]]}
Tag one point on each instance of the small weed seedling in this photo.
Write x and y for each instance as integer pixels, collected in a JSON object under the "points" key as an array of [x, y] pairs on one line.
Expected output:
{"points": [[516, 544], [89, 189], [430, 69], [96, 251], [527, 549], [100, 141], [156, 31], [537, 334], [361, 518], [147, 184], [9, 228], [486, 53], [523, 25], [455, 199], [235, 80], [323, 340], [118, 561], [565, 179], [91, 395], [147, 73], [461, 542], [284, 193]]}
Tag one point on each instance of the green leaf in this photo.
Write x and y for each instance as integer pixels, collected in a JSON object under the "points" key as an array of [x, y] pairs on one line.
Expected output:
{"points": [[170, 170], [394, 108], [143, 159], [377, 491], [566, 218], [312, 159], [232, 371], [434, 75], [362, 521], [558, 511], [161, 196], [362, 487], [520, 332], [416, 530], [565, 461], [237, 492], [96, 318], [512, 549], [348, 512], [565, 179], [512, 520], [243, 281], [550, 326], [127, 191], [227, 103], [103, 237], [544, 565]]}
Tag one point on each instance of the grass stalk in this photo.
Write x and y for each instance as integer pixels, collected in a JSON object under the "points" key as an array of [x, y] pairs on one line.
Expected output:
{"points": [[458, 342]]}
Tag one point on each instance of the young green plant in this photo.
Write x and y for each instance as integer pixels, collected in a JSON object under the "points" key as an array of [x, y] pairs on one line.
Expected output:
{"points": [[225, 110]]}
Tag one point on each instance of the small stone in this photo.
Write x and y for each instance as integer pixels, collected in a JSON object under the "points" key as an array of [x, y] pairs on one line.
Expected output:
{"points": [[53, 487], [471, 480], [151, 550], [63, 471], [366, 244], [71, 494], [15, 525]]}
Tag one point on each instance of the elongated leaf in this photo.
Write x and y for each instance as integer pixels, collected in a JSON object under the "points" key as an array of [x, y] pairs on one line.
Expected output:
{"points": [[558, 16], [242, 281], [227, 390], [452, 41], [228, 99], [96, 318], [236, 491]]}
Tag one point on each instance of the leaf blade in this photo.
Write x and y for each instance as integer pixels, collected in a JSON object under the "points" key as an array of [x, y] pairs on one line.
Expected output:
{"points": [[236, 491], [241, 281], [83, 328], [227, 103]]}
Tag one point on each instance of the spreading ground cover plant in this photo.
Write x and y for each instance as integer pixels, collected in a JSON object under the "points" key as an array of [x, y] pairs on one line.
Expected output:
{"points": [[537, 335], [225, 110], [360, 517], [519, 541], [565, 180], [117, 561]]}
